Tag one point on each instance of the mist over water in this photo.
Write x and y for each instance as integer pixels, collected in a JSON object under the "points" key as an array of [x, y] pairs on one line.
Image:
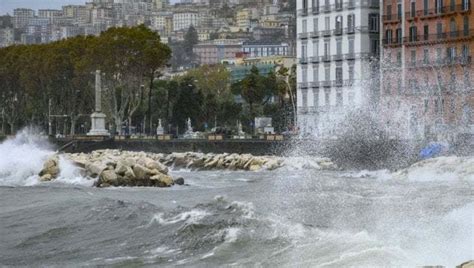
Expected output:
{"points": [[295, 216]]}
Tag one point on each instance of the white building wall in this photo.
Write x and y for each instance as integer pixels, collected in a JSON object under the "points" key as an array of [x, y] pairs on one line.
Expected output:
{"points": [[315, 99]]}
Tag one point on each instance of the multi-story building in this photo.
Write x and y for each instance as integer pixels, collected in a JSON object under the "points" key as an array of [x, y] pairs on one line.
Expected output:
{"points": [[337, 48], [265, 49], [21, 17], [213, 52], [427, 68], [245, 16], [7, 37], [184, 20]]}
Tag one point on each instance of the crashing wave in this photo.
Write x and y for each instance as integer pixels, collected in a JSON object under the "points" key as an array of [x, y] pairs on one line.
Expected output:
{"points": [[439, 169]]}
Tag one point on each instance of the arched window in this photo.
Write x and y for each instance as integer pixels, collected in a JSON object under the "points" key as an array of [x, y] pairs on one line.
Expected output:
{"points": [[350, 23], [452, 27]]}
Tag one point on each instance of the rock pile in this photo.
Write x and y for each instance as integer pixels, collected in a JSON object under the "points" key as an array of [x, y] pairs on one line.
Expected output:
{"points": [[125, 168]]}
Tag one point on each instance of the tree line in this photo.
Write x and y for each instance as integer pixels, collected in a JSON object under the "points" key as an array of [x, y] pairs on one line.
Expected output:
{"points": [[52, 86]]}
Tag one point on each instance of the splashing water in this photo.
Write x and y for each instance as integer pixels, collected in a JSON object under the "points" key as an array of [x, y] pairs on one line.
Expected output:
{"points": [[22, 158]]}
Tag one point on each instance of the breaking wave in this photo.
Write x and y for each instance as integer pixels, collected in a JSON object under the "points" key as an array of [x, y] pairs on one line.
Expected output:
{"points": [[22, 158]]}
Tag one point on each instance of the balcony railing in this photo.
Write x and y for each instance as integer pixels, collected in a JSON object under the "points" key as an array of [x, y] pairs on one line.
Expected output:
{"points": [[303, 85], [304, 60], [349, 30], [325, 58], [326, 83], [327, 8], [337, 83], [315, 10], [337, 31], [337, 57], [326, 32], [314, 84], [315, 34], [438, 37], [349, 56], [391, 17], [303, 35], [315, 59], [447, 61], [303, 12]]}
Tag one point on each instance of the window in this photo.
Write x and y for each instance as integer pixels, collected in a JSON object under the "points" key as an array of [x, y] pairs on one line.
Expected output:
{"points": [[315, 97], [304, 26], [373, 22], [425, 7], [327, 73], [413, 57], [339, 75], [316, 73], [399, 58], [339, 98], [389, 12], [413, 33], [350, 23], [439, 55], [315, 49], [426, 32], [374, 46], [388, 36], [426, 106], [326, 49], [327, 23], [426, 56], [452, 28], [399, 35], [304, 50], [305, 4], [315, 5], [338, 4], [465, 51], [315, 25], [399, 11], [466, 25], [351, 73], [412, 9], [339, 47], [304, 95], [339, 25], [439, 30], [304, 73], [453, 5], [439, 6], [351, 46], [326, 98], [465, 4]]}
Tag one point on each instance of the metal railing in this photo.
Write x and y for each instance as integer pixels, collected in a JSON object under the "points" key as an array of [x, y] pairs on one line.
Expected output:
{"points": [[314, 84], [303, 12], [325, 58], [337, 57], [303, 85], [303, 60], [315, 59], [315, 34], [303, 35], [444, 36], [337, 31], [447, 61]]}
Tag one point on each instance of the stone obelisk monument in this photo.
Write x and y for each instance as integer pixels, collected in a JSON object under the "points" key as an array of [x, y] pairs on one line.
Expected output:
{"points": [[98, 118]]}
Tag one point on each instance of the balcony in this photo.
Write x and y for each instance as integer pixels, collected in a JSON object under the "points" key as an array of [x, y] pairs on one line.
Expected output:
{"points": [[303, 35], [315, 10], [438, 37], [426, 63], [349, 56], [337, 31], [303, 60], [326, 83], [303, 12], [326, 33], [349, 30], [315, 59], [314, 84], [391, 18], [337, 57], [303, 85], [302, 110], [325, 58], [337, 83], [327, 8], [315, 34], [338, 6], [350, 4]]}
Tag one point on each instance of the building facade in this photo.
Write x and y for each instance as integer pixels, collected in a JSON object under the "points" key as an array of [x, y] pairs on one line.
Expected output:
{"points": [[213, 52], [427, 68], [265, 49], [337, 51]]}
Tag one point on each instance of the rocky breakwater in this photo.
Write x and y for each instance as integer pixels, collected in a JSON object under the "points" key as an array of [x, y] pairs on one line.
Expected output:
{"points": [[125, 168]]}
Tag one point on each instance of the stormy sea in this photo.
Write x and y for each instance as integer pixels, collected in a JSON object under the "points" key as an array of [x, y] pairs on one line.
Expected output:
{"points": [[295, 216]]}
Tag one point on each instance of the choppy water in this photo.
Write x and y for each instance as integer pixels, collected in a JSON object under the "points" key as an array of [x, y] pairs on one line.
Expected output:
{"points": [[292, 218]]}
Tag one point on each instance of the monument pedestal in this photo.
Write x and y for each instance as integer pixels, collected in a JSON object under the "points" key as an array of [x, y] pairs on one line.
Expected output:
{"points": [[98, 125]]}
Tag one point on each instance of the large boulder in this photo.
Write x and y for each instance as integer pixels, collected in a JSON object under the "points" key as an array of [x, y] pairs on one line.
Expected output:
{"points": [[51, 167], [152, 164], [108, 178], [468, 264], [162, 180], [141, 172], [94, 169]]}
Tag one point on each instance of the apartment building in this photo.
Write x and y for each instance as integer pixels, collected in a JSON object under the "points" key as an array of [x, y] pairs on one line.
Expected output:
{"points": [[21, 17], [213, 52], [265, 48], [183, 20], [427, 68], [337, 51]]}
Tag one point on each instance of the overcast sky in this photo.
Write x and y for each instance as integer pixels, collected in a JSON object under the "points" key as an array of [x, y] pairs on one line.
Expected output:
{"points": [[7, 6]]}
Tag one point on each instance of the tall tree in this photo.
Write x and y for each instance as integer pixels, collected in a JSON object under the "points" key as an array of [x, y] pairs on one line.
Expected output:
{"points": [[191, 38]]}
